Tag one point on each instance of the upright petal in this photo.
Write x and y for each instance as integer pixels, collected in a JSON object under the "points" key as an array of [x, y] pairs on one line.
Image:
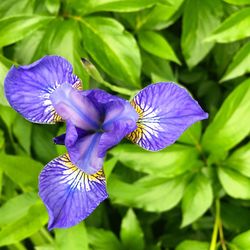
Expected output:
{"points": [[72, 105], [119, 118], [165, 111], [83, 147], [28, 88], [69, 194]]}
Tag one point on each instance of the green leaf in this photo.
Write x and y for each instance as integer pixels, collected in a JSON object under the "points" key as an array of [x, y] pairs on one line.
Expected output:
{"points": [[29, 224], [63, 34], [131, 232], [4, 68], [72, 238], [91, 6], [235, 184], [231, 123], [157, 45], [242, 241], [204, 19], [192, 135], [22, 170], [240, 160], [19, 126], [159, 70], [9, 212], [169, 162], [13, 29], [14, 8], [53, 6], [102, 239], [107, 42], [193, 245], [234, 28], [198, 197], [158, 17], [149, 193], [1, 141], [240, 64], [238, 2]]}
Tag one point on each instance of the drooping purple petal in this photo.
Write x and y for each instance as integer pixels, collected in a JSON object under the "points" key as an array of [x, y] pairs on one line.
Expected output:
{"points": [[165, 111], [83, 147], [72, 105], [69, 194], [28, 88]]}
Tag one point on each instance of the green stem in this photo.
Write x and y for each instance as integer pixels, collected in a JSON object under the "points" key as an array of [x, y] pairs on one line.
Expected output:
{"points": [[46, 235], [217, 229]]}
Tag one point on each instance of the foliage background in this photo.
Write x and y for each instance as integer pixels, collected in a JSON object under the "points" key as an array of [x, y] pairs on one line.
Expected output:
{"points": [[194, 195]]}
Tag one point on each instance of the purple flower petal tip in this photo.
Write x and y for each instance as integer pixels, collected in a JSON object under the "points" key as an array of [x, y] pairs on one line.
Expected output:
{"points": [[165, 111], [28, 88], [69, 194]]}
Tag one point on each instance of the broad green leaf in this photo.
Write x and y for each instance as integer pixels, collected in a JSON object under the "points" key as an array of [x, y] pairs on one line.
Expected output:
{"points": [[159, 17], [193, 245], [192, 135], [74, 238], [149, 193], [204, 19], [22, 170], [42, 142], [158, 69], [101, 239], [240, 64], [131, 233], [114, 49], [8, 116], [235, 184], [108, 166], [238, 2], [234, 28], [35, 219], [157, 45], [240, 160], [4, 67], [198, 197], [9, 212], [13, 8], [91, 6], [63, 34], [169, 162], [242, 241], [26, 48], [13, 29], [231, 123], [20, 126]]}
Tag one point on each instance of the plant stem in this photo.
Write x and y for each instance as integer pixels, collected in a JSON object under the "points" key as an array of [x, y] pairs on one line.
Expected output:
{"points": [[217, 229]]}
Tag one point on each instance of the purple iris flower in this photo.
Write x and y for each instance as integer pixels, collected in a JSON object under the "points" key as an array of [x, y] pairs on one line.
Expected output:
{"points": [[73, 185]]}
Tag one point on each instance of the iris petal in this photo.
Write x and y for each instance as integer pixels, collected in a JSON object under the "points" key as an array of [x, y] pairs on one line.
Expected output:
{"points": [[72, 105], [28, 88], [69, 194], [83, 148], [165, 112]]}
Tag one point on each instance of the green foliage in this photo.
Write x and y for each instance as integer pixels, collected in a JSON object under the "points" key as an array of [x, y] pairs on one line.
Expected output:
{"points": [[193, 195]]}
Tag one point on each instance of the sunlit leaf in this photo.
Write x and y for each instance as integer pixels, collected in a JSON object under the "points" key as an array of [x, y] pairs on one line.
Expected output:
{"points": [[193, 245], [234, 28], [35, 219], [13, 29], [235, 184], [113, 48], [231, 123], [198, 197], [204, 19], [131, 232], [240, 64], [157, 45]]}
